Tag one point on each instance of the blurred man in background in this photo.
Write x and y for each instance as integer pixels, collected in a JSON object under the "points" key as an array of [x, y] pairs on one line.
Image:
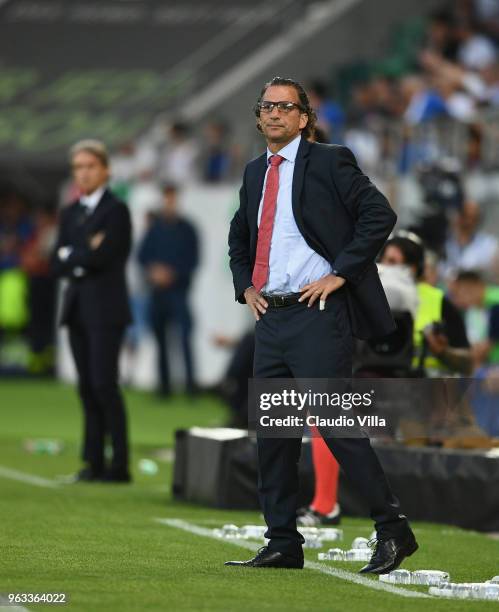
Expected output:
{"points": [[91, 251], [169, 256], [469, 247], [475, 297]]}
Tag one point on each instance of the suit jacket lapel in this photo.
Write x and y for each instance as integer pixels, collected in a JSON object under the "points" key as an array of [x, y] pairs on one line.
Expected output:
{"points": [[106, 197], [298, 175], [96, 214]]}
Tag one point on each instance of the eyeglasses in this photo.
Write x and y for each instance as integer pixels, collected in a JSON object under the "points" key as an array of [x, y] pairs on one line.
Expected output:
{"points": [[282, 107]]}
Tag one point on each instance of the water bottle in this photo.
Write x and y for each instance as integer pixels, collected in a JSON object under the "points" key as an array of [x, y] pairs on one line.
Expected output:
{"points": [[358, 554], [148, 466], [333, 554], [331, 534], [399, 576], [327, 534], [312, 541], [360, 543], [429, 577]]}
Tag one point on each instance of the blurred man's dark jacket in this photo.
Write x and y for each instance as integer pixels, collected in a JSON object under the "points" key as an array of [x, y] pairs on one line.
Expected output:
{"points": [[97, 284]]}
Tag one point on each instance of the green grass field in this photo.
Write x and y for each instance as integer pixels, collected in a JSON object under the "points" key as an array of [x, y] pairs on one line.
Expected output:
{"points": [[102, 546]]}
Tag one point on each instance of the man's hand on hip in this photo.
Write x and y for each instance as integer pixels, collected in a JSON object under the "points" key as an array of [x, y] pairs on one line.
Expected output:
{"points": [[321, 288], [256, 302]]}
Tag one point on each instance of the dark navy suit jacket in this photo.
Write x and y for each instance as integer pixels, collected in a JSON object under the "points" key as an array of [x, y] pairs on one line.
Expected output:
{"points": [[101, 294], [341, 215]]}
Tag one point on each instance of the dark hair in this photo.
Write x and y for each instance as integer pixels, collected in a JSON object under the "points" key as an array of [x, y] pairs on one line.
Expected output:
{"points": [[319, 88], [321, 135], [309, 129], [180, 128], [169, 188], [468, 276], [442, 16], [412, 251]]}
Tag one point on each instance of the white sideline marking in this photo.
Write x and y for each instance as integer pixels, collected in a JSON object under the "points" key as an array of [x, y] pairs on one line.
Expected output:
{"points": [[31, 479], [319, 567]]}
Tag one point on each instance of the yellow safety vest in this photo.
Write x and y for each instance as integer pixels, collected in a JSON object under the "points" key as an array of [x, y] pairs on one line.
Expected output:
{"points": [[13, 299], [429, 311]]}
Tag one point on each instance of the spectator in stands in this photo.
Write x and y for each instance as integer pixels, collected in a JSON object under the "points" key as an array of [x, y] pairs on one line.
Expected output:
{"points": [[485, 13], [330, 115], [169, 256], [177, 164], [480, 302], [423, 102], [35, 261], [16, 229], [216, 158], [481, 85], [459, 105], [468, 248], [440, 35], [476, 51], [123, 164]]}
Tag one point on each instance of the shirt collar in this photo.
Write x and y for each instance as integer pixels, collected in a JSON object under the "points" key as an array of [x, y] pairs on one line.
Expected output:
{"points": [[91, 200], [289, 152]]}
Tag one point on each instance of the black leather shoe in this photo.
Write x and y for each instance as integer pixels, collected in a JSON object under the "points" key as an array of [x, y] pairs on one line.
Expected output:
{"points": [[268, 558], [389, 554], [116, 476]]}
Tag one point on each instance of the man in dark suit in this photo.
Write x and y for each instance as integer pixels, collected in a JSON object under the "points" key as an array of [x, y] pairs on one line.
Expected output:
{"points": [[169, 254], [302, 247], [91, 252]]}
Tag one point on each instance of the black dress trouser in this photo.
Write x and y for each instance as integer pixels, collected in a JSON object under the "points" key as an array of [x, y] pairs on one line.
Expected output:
{"points": [[96, 352], [171, 306], [301, 342]]}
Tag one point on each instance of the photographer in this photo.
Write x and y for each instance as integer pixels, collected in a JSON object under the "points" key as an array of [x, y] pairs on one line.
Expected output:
{"points": [[440, 340]]}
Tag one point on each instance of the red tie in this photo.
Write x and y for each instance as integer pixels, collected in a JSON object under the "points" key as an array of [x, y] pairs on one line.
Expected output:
{"points": [[261, 269]]}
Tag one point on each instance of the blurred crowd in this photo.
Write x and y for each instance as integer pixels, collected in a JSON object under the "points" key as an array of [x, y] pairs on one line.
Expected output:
{"points": [[452, 70], [27, 287], [441, 68]]}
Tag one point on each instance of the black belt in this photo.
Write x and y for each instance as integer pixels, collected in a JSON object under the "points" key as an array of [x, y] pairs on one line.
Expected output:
{"points": [[280, 301]]}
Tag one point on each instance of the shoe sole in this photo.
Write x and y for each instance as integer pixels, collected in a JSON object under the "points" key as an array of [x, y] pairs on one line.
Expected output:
{"points": [[297, 567]]}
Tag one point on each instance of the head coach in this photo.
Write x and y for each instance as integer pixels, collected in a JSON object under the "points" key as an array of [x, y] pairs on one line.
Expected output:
{"points": [[91, 252], [302, 247]]}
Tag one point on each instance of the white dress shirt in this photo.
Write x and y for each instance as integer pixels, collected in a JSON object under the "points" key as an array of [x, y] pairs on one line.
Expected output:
{"points": [[91, 200], [292, 263]]}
